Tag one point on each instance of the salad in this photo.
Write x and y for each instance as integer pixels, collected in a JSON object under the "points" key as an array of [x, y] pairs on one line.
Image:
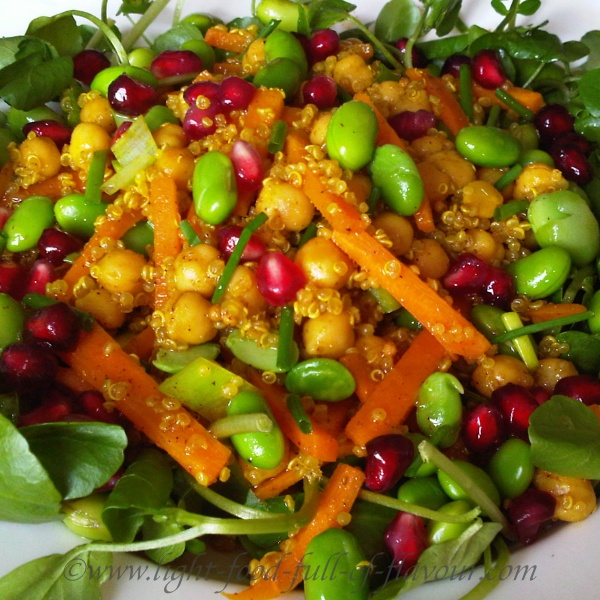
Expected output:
{"points": [[317, 293]]}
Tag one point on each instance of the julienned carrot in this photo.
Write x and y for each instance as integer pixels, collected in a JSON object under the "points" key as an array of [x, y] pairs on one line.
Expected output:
{"points": [[453, 331], [231, 41], [165, 217], [361, 372], [529, 98], [448, 107], [265, 108], [389, 404], [113, 228], [424, 216], [141, 344], [100, 360], [274, 486], [72, 380], [295, 146], [550, 311], [282, 571]]}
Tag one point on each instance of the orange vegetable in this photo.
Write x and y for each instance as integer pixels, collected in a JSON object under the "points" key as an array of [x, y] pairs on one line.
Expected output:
{"points": [[295, 146], [72, 380], [424, 216], [551, 311], [453, 331], [231, 41], [389, 404], [141, 344], [529, 98], [361, 371], [277, 484], [100, 360], [265, 108], [387, 134], [6, 175], [336, 500]]}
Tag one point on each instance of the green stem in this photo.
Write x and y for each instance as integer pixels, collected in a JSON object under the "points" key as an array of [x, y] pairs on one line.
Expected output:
{"points": [[514, 104], [466, 93], [376, 43], [523, 344], [95, 178], [508, 177], [294, 403], [285, 345], [132, 36], [236, 424], [511, 15]]}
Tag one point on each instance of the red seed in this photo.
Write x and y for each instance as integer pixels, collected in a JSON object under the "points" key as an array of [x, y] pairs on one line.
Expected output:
{"points": [[406, 539], [487, 70], [12, 279], [483, 428], [27, 366], [120, 131], [410, 125], [87, 64], [211, 90], [60, 134], [516, 405], [453, 63], [172, 63], [321, 44], [236, 93], [572, 163], [39, 276], [499, 288], [92, 403], [55, 245], [131, 97], [321, 91], [529, 512], [248, 166], [467, 272], [279, 278], [552, 121], [229, 237], [54, 408], [419, 60], [388, 457], [585, 388], [200, 122], [55, 325]]}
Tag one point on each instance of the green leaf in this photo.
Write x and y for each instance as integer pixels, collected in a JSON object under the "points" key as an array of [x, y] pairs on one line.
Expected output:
{"points": [[592, 40], [9, 47], [522, 43], [589, 91], [565, 438], [438, 11], [27, 494], [134, 7], [323, 14], [62, 33], [143, 489], [397, 19], [176, 37], [529, 7], [584, 350], [498, 6], [78, 456]]}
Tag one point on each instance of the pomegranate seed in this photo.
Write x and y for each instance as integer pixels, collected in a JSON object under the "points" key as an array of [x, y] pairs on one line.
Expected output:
{"points": [[540, 394], [120, 131], [92, 403], [87, 64], [572, 138], [452, 64], [172, 63], [487, 70], [516, 405], [585, 388], [483, 428], [388, 457], [405, 538], [12, 279], [27, 366], [419, 61], [200, 122], [499, 289], [4, 215], [411, 125], [236, 93], [279, 278], [248, 166], [131, 97], [551, 121], [467, 272], [572, 163], [39, 276], [321, 91], [110, 484], [230, 236], [60, 134], [323, 43], [55, 408], [55, 245], [55, 325], [209, 89], [529, 512]]}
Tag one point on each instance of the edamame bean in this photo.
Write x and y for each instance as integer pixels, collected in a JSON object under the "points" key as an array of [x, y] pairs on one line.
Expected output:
{"points": [[257, 355], [423, 491], [394, 172], [418, 467], [511, 468], [76, 215], [442, 531], [83, 516], [479, 477], [488, 146], [281, 73], [12, 317], [214, 188], [527, 135], [488, 320], [25, 226], [139, 237], [439, 408], [159, 115], [6, 137], [351, 135], [564, 219], [262, 450], [594, 322], [284, 11], [203, 50], [541, 273], [202, 21], [104, 78], [335, 567], [321, 379], [141, 57], [535, 156], [282, 44]]}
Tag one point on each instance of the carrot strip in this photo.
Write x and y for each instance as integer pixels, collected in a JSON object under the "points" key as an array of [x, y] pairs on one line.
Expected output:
{"points": [[550, 311], [450, 110], [231, 41], [529, 98], [337, 498], [104, 364], [72, 380], [387, 134], [389, 404], [141, 344], [265, 108], [361, 371], [276, 485], [164, 214], [424, 216], [453, 331], [295, 146]]}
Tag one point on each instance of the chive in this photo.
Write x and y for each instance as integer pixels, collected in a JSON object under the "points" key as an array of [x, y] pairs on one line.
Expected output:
{"points": [[523, 344], [236, 424], [35, 301], [308, 234], [466, 93], [493, 116], [295, 406], [543, 326], [268, 28], [95, 177], [514, 104], [236, 255], [277, 139], [285, 356], [373, 199], [508, 177], [189, 233], [509, 209]]}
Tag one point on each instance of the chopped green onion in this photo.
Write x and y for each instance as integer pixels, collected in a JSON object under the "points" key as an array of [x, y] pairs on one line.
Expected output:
{"points": [[95, 177], [543, 326], [466, 93], [189, 233], [309, 233], [285, 353], [509, 209], [514, 104], [373, 199], [508, 177], [523, 344], [268, 28], [236, 424], [277, 139], [493, 115], [236, 255], [294, 404]]}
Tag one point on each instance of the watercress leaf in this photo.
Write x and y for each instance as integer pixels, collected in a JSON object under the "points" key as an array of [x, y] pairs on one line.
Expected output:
{"points": [[589, 90], [78, 456], [27, 494], [138, 7], [565, 438], [499, 7], [592, 40], [76, 575], [522, 43], [584, 350], [397, 19], [437, 11], [450, 20], [588, 125], [323, 14], [62, 33], [144, 489], [574, 51], [9, 47], [33, 46], [176, 37], [154, 530], [529, 7]]}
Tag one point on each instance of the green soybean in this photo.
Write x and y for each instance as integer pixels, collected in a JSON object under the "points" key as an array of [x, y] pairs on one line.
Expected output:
{"points": [[139, 237], [418, 467], [76, 215], [351, 135], [282, 44], [281, 73], [488, 146], [442, 531], [12, 318], [321, 379], [83, 516], [439, 408], [263, 450], [104, 78], [479, 477], [423, 491], [203, 50], [25, 226], [141, 57], [284, 11], [594, 322], [527, 135], [541, 273], [535, 156], [335, 567], [202, 21], [488, 320], [260, 356], [511, 468], [159, 115], [394, 172], [214, 188]]}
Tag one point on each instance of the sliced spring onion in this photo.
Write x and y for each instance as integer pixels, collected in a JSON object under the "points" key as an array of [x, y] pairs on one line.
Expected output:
{"points": [[508, 177], [309, 233], [523, 343], [295, 406], [95, 177], [277, 139], [466, 94], [236, 424], [514, 104], [509, 209], [189, 233], [285, 351]]}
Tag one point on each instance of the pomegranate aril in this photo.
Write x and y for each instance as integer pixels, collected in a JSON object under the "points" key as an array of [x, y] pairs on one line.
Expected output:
{"points": [[388, 457], [321, 44], [540, 394], [453, 63], [87, 64], [516, 405], [131, 97], [92, 403], [200, 122], [172, 63], [411, 125], [483, 428], [406, 539], [572, 163], [248, 166], [321, 91], [211, 90], [529, 512], [419, 61], [55, 245], [572, 138], [55, 408], [585, 388], [40, 274], [499, 288], [487, 70], [236, 93], [55, 325], [59, 133], [552, 121], [230, 236], [467, 272], [27, 366], [12, 279], [279, 278]]}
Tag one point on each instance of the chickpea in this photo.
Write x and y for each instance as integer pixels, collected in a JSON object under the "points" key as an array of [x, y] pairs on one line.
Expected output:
{"points": [[243, 288], [430, 257], [483, 245], [481, 199], [176, 163], [98, 110], [496, 372], [353, 74], [170, 135], [189, 322], [328, 335], [429, 145], [459, 169], [318, 132], [324, 263], [290, 204], [438, 185], [398, 229], [197, 269], [40, 156], [550, 370], [360, 185], [538, 178], [575, 497], [103, 307], [120, 270], [86, 139]]}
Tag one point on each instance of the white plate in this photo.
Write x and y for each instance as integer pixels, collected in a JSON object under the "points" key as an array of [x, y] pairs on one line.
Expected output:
{"points": [[563, 565]]}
